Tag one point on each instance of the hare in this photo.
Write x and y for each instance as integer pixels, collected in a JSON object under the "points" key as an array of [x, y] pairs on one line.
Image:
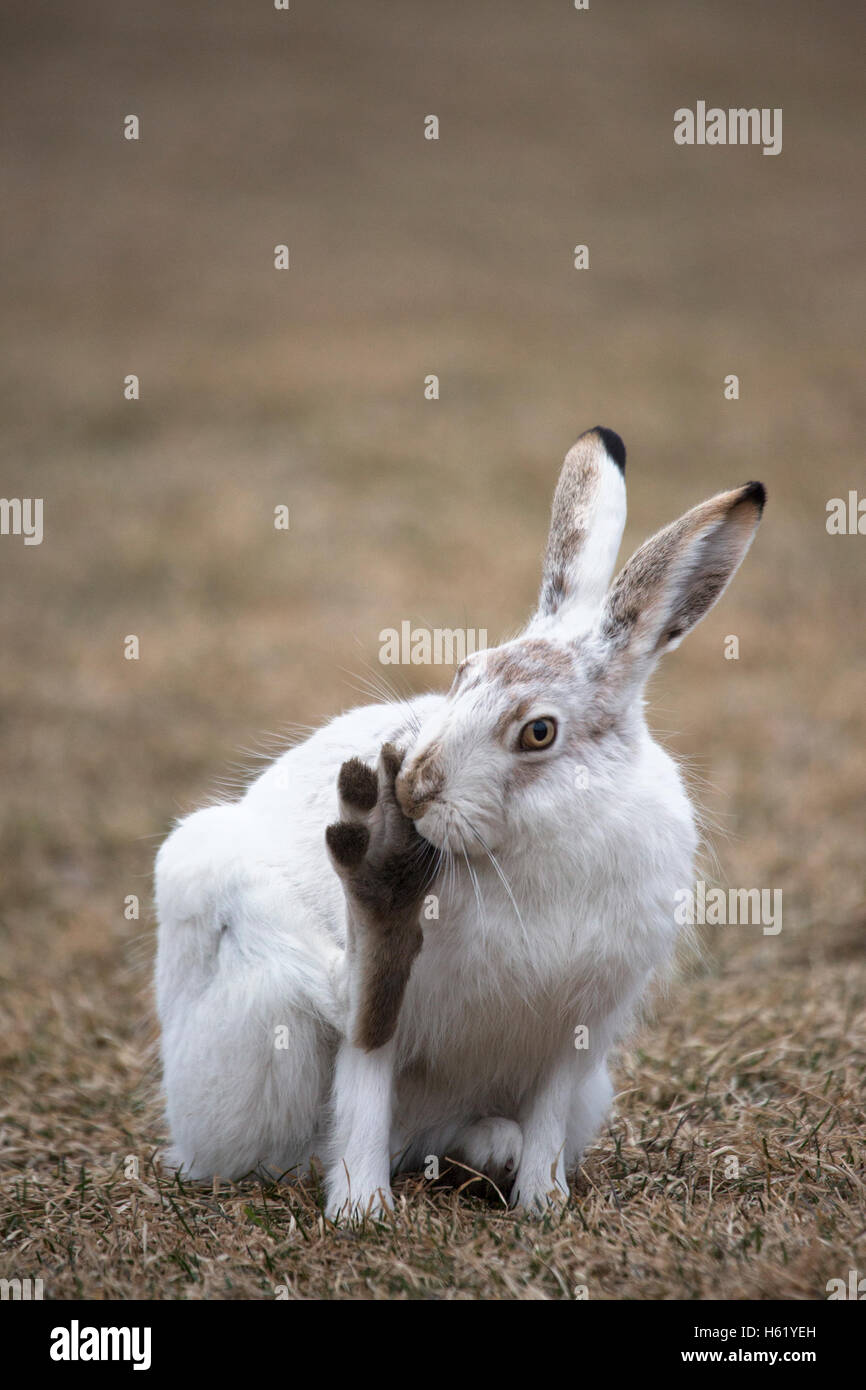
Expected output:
{"points": [[389, 948]]}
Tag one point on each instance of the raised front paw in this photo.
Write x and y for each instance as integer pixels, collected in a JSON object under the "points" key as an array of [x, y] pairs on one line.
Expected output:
{"points": [[384, 865], [383, 861]]}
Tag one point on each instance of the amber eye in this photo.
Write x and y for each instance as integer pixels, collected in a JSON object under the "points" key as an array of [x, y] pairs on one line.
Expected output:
{"points": [[539, 734]]}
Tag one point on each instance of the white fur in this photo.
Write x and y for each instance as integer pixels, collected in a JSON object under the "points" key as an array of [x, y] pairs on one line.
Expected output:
{"points": [[483, 1066]]}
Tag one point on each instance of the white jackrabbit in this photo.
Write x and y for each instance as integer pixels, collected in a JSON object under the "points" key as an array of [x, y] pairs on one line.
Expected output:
{"points": [[311, 1001]]}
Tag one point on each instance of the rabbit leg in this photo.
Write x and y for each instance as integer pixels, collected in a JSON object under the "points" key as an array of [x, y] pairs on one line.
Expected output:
{"points": [[544, 1120], [591, 1102], [383, 864]]}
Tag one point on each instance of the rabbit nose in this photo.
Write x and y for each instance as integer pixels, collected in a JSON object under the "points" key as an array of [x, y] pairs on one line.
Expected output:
{"points": [[417, 786]]}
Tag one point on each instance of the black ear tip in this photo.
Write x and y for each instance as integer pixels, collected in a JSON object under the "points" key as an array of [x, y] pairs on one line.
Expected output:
{"points": [[757, 493], [613, 444]]}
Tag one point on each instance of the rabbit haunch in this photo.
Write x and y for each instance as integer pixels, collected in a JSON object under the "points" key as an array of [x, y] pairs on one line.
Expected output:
{"points": [[555, 833]]}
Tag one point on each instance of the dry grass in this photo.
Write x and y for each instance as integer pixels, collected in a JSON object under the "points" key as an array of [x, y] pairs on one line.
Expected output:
{"points": [[308, 390], [753, 1067]]}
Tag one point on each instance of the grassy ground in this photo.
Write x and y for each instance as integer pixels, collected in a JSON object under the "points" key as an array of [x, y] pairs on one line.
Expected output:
{"points": [[412, 257]]}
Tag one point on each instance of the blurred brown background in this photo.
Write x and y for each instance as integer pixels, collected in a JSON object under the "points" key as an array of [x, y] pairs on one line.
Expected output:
{"points": [[408, 257]]}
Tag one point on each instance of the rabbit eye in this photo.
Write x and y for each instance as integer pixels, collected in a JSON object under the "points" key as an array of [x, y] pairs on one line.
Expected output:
{"points": [[539, 734]]}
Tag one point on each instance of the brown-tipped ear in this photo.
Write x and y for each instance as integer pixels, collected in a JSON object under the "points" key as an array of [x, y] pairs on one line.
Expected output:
{"points": [[676, 577], [586, 527]]}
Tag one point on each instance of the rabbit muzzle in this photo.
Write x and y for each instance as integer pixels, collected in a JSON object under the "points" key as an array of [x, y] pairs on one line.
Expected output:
{"points": [[420, 784]]}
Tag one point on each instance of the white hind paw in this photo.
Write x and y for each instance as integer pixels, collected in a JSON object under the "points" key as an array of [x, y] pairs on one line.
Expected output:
{"points": [[492, 1146]]}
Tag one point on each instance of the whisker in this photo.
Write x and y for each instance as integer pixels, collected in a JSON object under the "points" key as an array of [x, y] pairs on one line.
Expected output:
{"points": [[502, 878], [381, 695], [474, 881], [380, 684]]}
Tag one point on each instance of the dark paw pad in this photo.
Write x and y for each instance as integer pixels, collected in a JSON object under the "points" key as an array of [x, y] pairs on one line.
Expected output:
{"points": [[347, 842], [358, 786]]}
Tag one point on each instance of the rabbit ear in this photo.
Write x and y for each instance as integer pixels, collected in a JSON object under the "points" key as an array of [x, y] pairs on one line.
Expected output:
{"points": [[585, 528], [674, 579]]}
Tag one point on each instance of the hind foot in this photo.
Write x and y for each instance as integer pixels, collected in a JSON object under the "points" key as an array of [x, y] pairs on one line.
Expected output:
{"points": [[492, 1146]]}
